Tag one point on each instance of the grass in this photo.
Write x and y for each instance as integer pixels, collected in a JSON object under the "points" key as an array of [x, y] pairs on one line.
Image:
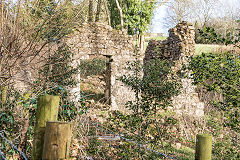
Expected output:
{"points": [[199, 48], [156, 38], [206, 48], [185, 153]]}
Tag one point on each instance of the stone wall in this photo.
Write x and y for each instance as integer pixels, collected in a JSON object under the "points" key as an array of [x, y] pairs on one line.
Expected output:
{"points": [[99, 39], [177, 47]]}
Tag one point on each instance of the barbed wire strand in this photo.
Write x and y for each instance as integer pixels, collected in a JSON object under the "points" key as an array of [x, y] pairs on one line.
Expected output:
{"points": [[127, 132], [140, 145], [126, 139], [13, 146], [131, 141], [2, 156]]}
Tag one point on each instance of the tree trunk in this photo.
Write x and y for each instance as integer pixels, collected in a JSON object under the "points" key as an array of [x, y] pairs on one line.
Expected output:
{"points": [[121, 14], [142, 42], [107, 12], [47, 110], [90, 11], [57, 140], [98, 14]]}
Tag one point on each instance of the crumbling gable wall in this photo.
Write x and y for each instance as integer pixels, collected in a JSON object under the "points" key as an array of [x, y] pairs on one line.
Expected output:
{"points": [[177, 47], [99, 39]]}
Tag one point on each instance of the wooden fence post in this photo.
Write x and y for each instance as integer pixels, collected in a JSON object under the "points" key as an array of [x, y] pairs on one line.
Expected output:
{"points": [[203, 147], [47, 110], [57, 140]]}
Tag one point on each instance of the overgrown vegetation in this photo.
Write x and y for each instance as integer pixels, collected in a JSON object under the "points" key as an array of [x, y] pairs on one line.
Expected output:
{"points": [[32, 39], [146, 122], [212, 72], [34, 54], [219, 73]]}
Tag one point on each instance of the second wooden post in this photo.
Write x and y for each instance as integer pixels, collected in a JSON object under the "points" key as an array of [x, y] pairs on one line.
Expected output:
{"points": [[57, 140], [47, 110]]}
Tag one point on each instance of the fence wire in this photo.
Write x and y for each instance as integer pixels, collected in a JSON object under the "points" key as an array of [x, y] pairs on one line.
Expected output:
{"points": [[12, 145], [2, 156], [106, 130]]}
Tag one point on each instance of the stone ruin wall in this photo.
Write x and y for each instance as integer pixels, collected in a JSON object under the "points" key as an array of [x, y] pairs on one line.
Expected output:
{"points": [[177, 47], [99, 39]]}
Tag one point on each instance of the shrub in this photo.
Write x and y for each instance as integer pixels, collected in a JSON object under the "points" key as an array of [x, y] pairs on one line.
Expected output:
{"points": [[220, 73], [146, 123]]}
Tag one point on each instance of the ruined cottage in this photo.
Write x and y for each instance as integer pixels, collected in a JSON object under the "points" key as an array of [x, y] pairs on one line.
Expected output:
{"points": [[98, 39], [177, 47]]}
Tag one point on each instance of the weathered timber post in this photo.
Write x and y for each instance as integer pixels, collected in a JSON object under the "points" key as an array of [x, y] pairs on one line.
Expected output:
{"points": [[57, 140], [107, 78], [47, 110], [203, 147]]}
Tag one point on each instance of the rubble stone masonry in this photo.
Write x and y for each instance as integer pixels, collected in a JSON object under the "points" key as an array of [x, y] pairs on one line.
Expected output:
{"points": [[177, 47], [99, 39]]}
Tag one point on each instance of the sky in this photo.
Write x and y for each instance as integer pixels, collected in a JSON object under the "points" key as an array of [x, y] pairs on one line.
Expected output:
{"points": [[160, 13]]}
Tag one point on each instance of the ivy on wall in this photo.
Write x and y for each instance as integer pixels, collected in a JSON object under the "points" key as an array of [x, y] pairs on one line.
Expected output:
{"points": [[220, 73]]}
